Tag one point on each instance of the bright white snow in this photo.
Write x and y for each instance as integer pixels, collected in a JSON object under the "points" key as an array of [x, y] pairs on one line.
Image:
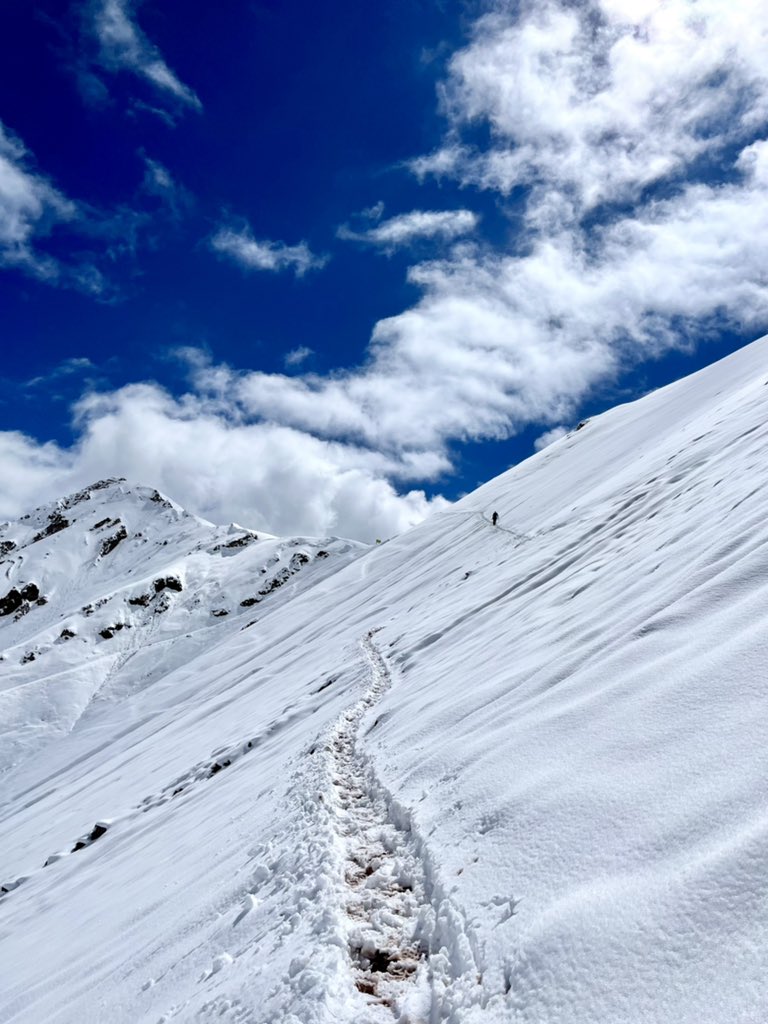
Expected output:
{"points": [[474, 774]]}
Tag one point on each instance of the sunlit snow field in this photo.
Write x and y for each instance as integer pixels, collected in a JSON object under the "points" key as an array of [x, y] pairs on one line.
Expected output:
{"points": [[525, 762]]}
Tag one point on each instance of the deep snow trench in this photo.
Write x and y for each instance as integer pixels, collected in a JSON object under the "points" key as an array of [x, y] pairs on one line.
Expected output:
{"points": [[385, 884]]}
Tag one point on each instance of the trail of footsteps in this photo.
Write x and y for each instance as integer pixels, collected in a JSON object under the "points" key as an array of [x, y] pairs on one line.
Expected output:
{"points": [[521, 537], [385, 884]]}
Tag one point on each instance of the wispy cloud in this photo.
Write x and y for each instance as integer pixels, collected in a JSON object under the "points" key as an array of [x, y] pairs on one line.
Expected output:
{"points": [[254, 254], [74, 366], [65, 242], [124, 46], [406, 228], [297, 356], [30, 206], [159, 183]]}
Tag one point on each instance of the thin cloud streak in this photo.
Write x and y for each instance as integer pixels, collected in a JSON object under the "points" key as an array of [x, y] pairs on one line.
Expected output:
{"points": [[255, 254], [402, 230], [29, 206], [123, 45]]}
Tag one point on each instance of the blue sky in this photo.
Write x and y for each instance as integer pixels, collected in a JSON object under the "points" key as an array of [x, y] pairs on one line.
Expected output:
{"points": [[317, 268]]}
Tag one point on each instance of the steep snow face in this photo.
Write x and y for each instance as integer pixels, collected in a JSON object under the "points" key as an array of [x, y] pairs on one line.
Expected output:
{"points": [[104, 591], [480, 774]]}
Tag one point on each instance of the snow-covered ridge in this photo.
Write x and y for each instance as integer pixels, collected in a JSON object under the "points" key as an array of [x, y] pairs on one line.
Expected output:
{"points": [[479, 774], [104, 590]]}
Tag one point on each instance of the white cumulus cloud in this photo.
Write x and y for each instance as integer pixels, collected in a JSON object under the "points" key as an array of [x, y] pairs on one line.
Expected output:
{"points": [[263, 475], [604, 98], [635, 137]]}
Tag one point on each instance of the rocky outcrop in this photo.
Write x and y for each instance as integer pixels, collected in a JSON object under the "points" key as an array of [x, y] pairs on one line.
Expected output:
{"points": [[111, 542], [56, 522], [16, 600]]}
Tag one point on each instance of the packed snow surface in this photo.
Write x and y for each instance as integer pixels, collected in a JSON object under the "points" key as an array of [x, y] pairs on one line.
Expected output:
{"points": [[474, 774]]}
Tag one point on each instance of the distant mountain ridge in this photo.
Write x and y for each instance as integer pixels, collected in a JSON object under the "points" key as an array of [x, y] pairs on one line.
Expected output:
{"points": [[99, 580]]}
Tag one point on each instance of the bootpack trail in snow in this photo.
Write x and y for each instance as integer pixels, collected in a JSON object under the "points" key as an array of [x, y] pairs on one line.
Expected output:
{"points": [[385, 884], [410, 950], [516, 534]]}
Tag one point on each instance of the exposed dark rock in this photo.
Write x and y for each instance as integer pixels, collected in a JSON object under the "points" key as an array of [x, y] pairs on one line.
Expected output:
{"points": [[6, 546], [111, 542], [277, 581], [96, 833], [109, 631], [56, 522], [85, 494], [76, 498], [157, 497], [219, 612], [217, 766], [29, 656], [242, 541], [168, 583], [322, 554], [101, 522], [248, 602], [238, 542], [67, 634], [18, 600], [11, 602], [142, 600], [101, 485], [41, 600], [297, 560]]}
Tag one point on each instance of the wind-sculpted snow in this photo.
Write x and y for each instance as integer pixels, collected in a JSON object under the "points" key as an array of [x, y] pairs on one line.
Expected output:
{"points": [[477, 774]]}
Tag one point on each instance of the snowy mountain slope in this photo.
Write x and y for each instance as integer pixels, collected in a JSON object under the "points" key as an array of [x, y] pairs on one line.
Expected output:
{"points": [[106, 590], [478, 774]]}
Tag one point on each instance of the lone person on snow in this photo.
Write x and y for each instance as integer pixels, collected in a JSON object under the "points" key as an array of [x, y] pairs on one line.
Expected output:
{"points": [[495, 518]]}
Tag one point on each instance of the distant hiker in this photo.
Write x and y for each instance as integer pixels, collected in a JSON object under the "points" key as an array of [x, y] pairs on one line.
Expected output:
{"points": [[495, 518]]}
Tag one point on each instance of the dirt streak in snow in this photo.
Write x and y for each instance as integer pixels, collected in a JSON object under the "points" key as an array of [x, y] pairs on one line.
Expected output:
{"points": [[385, 890]]}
